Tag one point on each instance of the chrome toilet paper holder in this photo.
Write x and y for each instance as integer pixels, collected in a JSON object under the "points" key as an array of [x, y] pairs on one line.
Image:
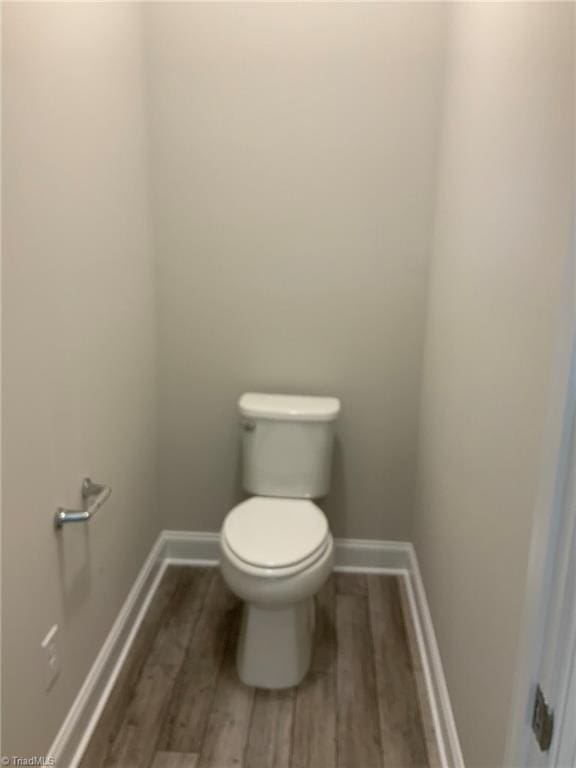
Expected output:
{"points": [[94, 495]]}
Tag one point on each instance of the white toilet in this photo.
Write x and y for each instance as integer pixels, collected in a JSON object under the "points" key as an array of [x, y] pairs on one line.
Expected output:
{"points": [[276, 548]]}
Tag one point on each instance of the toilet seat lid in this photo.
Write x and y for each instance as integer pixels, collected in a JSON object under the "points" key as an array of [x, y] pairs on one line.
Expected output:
{"points": [[275, 533]]}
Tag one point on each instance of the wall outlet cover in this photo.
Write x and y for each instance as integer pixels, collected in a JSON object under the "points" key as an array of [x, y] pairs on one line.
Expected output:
{"points": [[51, 657]]}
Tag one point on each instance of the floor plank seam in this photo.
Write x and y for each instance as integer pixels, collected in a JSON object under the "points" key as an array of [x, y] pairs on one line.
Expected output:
{"points": [[178, 678], [334, 672], [248, 729], [175, 682], [232, 636], [372, 644], [292, 727]]}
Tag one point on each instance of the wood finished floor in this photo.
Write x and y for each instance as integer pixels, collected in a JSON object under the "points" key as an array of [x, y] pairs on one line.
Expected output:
{"points": [[179, 704]]}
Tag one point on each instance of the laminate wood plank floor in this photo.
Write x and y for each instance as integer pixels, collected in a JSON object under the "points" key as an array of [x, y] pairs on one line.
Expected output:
{"points": [[178, 702]]}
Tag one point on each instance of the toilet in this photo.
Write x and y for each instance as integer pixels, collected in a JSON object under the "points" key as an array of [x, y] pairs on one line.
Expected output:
{"points": [[276, 548]]}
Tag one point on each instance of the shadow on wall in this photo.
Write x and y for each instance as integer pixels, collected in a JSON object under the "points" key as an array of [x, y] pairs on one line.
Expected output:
{"points": [[74, 567], [238, 492], [335, 505]]}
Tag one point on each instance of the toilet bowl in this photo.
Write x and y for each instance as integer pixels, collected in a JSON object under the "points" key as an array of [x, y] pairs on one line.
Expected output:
{"points": [[275, 555], [276, 547]]}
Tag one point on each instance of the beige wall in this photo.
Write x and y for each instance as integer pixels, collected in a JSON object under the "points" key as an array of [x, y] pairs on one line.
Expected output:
{"points": [[79, 364], [293, 151], [502, 238], [294, 158]]}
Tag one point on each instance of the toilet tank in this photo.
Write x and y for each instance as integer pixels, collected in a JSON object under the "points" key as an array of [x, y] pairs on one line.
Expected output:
{"points": [[287, 444]]}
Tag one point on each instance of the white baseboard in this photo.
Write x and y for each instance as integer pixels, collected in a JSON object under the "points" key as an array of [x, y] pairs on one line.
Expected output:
{"points": [[194, 548], [351, 554], [75, 732], [443, 715], [202, 549], [372, 556]]}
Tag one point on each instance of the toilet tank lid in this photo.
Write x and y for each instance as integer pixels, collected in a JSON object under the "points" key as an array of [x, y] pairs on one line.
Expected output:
{"points": [[289, 407]]}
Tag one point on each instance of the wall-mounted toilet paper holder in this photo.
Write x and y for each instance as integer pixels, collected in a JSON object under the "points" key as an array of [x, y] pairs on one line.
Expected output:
{"points": [[95, 491]]}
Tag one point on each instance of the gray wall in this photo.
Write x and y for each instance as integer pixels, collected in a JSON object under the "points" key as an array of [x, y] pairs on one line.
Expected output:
{"points": [[294, 157], [78, 344], [293, 152], [502, 239]]}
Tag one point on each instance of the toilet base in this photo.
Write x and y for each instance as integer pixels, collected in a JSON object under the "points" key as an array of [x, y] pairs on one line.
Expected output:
{"points": [[275, 644]]}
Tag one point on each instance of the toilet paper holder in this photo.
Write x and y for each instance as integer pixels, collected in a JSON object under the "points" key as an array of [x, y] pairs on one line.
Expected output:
{"points": [[93, 497]]}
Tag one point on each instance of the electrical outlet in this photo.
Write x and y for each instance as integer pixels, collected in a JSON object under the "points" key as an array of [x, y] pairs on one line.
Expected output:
{"points": [[51, 657]]}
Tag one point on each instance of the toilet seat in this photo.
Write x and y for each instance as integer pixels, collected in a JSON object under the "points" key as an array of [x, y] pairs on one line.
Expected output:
{"points": [[275, 537]]}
